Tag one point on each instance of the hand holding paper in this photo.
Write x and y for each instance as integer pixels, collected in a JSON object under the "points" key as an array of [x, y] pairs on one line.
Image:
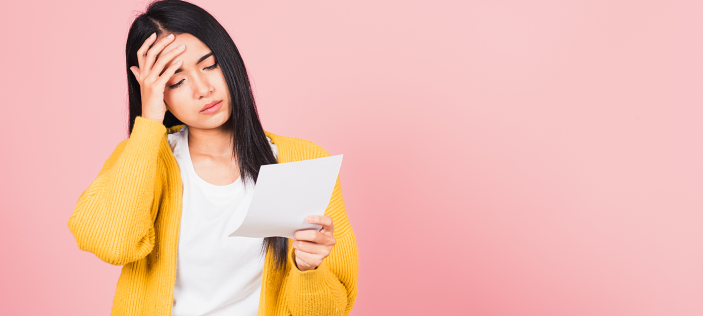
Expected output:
{"points": [[311, 247], [285, 194]]}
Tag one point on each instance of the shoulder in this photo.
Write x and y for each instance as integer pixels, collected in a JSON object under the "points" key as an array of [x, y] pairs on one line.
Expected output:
{"points": [[295, 149]]}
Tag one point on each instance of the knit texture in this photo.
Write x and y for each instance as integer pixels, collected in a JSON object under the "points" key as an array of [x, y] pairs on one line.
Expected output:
{"points": [[130, 216]]}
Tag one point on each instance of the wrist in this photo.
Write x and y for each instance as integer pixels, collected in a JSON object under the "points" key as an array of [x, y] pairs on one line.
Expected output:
{"points": [[155, 117]]}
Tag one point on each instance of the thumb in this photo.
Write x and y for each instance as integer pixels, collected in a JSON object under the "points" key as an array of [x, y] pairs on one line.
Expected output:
{"points": [[135, 71]]}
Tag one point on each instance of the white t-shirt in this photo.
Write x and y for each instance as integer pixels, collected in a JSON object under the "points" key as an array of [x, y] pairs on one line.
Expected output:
{"points": [[215, 274]]}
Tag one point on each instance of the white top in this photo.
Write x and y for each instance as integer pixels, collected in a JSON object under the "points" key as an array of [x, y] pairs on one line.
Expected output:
{"points": [[215, 274]]}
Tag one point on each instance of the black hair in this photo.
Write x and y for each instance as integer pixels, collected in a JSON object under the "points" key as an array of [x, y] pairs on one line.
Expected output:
{"points": [[250, 145]]}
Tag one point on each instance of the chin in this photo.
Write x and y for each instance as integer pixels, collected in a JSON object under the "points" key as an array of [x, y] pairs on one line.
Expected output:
{"points": [[210, 121]]}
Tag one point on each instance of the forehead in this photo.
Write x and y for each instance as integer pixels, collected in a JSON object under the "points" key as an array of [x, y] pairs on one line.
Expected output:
{"points": [[194, 47]]}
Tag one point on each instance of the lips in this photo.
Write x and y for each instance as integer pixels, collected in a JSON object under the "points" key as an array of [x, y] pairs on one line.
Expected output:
{"points": [[209, 105]]}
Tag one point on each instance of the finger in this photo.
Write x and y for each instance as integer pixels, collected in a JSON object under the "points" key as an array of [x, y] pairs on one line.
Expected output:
{"points": [[310, 235], [302, 265], [161, 81], [311, 260], [318, 249], [325, 221], [141, 53], [314, 236], [154, 51], [158, 68]]}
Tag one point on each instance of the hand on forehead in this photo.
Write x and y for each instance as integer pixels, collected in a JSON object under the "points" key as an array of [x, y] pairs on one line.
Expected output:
{"points": [[192, 43], [173, 44]]}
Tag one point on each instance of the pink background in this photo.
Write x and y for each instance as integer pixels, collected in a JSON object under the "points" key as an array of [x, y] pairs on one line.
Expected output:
{"points": [[501, 157]]}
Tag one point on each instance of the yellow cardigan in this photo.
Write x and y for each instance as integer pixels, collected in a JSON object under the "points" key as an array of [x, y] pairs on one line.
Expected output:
{"points": [[130, 215]]}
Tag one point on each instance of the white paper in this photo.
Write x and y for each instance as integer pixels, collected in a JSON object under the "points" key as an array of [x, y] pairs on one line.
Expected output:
{"points": [[285, 194]]}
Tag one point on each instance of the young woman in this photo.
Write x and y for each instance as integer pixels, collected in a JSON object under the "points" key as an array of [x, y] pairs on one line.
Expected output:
{"points": [[162, 204]]}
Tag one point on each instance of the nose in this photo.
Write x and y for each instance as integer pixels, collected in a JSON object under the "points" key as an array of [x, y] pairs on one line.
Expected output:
{"points": [[202, 86]]}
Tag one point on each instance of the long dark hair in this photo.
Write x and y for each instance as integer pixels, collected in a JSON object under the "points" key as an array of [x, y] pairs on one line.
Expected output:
{"points": [[248, 138]]}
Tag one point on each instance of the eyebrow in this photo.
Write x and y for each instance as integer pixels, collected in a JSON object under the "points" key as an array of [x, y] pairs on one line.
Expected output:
{"points": [[199, 61]]}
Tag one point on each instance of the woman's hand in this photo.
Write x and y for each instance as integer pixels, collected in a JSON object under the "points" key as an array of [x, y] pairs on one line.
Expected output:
{"points": [[151, 80], [312, 246]]}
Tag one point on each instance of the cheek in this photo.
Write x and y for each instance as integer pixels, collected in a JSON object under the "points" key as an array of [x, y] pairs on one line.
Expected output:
{"points": [[172, 96], [174, 100], [220, 79]]}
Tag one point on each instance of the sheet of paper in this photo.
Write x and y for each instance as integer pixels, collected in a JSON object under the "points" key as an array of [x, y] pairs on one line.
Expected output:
{"points": [[287, 193]]}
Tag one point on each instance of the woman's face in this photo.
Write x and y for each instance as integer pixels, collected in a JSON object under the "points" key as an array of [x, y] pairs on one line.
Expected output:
{"points": [[197, 83]]}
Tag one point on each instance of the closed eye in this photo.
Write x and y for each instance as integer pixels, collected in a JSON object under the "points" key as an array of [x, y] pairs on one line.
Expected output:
{"points": [[180, 82]]}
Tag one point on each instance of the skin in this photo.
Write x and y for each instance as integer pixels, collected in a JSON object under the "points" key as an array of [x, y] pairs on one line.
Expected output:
{"points": [[209, 140]]}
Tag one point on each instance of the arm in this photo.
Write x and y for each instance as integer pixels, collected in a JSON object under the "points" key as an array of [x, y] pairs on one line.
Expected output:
{"points": [[114, 217], [331, 288]]}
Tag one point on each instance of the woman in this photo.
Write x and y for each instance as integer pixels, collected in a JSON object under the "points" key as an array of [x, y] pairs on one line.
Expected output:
{"points": [[162, 202]]}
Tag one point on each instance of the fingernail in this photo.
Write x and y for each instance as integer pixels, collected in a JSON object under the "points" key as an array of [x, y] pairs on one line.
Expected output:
{"points": [[181, 47], [170, 36], [311, 218], [152, 35]]}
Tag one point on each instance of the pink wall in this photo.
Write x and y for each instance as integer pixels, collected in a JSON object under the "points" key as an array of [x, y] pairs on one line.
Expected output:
{"points": [[501, 158]]}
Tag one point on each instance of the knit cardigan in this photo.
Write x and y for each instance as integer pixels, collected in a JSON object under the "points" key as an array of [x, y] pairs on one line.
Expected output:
{"points": [[130, 216]]}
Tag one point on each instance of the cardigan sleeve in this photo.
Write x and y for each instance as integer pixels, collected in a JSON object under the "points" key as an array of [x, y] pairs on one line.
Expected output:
{"points": [[114, 216], [330, 289]]}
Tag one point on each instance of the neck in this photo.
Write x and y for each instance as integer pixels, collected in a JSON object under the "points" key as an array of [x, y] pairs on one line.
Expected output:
{"points": [[215, 142]]}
